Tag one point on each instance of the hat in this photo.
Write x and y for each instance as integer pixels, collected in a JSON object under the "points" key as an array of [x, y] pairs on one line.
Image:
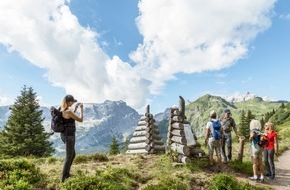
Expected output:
{"points": [[212, 113], [228, 111], [70, 98]]}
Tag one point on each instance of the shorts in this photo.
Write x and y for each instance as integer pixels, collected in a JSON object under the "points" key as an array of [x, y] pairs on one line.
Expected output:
{"points": [[256, 151], [214, 145]]}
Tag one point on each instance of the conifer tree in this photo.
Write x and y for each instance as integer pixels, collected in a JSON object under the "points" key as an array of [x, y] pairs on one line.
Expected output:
{"points": [[282, 106], [262, 123], [114, 147], [244, 125], [126, 144], [249, 117], [24, 134]]}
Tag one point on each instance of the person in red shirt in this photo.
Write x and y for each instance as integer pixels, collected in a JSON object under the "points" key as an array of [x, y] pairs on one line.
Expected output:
{"points": [[270, 149]]}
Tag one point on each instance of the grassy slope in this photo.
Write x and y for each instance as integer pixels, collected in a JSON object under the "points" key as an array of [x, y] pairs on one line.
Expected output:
{"points": [[148, 172]]}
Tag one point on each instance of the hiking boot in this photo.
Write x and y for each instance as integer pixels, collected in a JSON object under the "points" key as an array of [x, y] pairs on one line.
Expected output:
{"points": [[211, 168], [219, 169], [254, 178], [261, 180]]}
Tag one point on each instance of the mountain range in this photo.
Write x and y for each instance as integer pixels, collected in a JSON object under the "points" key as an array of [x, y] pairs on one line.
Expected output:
{"points": [[115, 118]]}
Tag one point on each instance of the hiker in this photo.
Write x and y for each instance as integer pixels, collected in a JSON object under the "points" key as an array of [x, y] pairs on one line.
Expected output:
{"points": [[213, 138], [228, 123], [256, 151], [270, 149], [68, 135]]}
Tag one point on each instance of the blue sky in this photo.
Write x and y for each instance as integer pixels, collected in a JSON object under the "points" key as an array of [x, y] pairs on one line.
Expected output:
{"points": [[144, 52]]}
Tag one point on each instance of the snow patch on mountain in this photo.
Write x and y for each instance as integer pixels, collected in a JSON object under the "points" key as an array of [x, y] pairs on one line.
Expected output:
{"points": [[246, 97]]}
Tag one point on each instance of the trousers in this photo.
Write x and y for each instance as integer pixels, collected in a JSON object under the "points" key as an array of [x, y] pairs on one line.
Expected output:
{"points": [[269, 161], [70, 155], [227, 141]]}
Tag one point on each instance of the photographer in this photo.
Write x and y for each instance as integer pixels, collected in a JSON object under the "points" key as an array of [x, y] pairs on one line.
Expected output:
{"points": [[68, 136]]}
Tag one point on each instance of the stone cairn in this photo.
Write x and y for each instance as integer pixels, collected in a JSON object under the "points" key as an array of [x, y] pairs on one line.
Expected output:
{"points": [[146, 138], [180, 146]]}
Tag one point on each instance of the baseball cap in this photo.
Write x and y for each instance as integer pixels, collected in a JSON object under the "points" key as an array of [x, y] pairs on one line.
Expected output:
{"points": [[228, 111], [212, 113], [70, 98]]}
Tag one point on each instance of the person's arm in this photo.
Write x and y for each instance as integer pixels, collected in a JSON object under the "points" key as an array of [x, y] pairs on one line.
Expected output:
{"points": [[74, 116], [277, 145], [207, 136], [207, 133], [235, 129], [251, 136], [76, 107]]}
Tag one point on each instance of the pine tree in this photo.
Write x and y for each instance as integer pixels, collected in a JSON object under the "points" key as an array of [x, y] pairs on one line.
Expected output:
{"points": [[114, 147], [126, 144], [282, 106], [24, 134], [262, 123], [244, 126], [249, 117]]}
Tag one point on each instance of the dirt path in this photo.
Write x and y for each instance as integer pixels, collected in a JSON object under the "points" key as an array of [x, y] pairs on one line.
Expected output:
{"points": [[282, 180]]}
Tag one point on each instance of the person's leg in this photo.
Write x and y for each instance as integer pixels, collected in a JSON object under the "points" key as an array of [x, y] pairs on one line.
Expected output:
{"points": [[261, 167], [210, 154], [266, 162], [229, 147], [223, 144], [272, 165], [255, 167], [254, 162], [70, 155]]}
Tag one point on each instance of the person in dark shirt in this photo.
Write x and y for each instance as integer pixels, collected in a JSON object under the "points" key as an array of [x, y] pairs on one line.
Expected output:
{"points": [[228, 124], [68, 135]]}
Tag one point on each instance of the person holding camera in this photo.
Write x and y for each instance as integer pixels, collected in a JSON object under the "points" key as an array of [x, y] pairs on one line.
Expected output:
{"points": [[68, 135]]}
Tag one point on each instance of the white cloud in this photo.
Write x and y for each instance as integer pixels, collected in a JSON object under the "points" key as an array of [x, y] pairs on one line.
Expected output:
{"points": [[48, 35], [179, 36], [193, 36], [285, 16], [4, 101]]}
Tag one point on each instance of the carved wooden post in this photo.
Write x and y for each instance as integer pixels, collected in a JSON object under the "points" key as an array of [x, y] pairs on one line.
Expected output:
{"points": [[241, 148], [182, 108]]}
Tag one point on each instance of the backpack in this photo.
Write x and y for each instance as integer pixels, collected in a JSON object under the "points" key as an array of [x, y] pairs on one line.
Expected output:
{"points": [[57, 122], [262, 138], [217, 134]]}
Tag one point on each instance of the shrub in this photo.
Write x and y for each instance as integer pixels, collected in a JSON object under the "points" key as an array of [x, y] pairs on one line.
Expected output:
{"points": [[51, 160], [167, 183], [19, 174], [245, 167], [229, 182], [112, 178], [92, 157]]}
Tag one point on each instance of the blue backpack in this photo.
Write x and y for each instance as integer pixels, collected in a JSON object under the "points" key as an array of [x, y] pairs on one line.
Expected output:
{"points": [[216, 125]]}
